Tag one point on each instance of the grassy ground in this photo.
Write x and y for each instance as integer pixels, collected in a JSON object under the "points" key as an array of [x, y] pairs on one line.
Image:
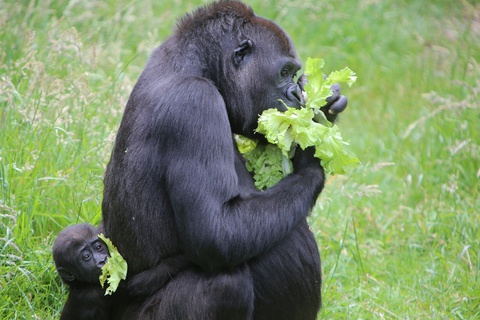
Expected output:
{"points": [[399, 236]]}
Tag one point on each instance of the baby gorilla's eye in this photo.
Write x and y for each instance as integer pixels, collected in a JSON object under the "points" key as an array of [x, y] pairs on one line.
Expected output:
{"points": [[97, 247], [86, 256]]}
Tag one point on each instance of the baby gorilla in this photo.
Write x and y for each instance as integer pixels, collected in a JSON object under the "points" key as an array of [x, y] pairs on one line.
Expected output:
{"points": [[79, 256]]}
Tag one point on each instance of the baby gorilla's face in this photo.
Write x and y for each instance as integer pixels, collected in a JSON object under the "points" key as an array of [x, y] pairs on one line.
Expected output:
{"points": [[79, 254], [91, 257]]}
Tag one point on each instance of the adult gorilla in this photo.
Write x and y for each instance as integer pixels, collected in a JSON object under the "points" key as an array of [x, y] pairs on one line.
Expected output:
{"points": [[177, 185]]}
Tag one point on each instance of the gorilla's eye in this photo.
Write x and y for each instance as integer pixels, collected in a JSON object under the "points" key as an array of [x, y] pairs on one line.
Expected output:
{"points": [[86, 256], [288, 71], [97, 247], [285, 72]]}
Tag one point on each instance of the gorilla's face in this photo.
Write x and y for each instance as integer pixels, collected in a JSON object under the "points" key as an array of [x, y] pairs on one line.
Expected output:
{"points": [[90, 256], [286, 88], [263, 76], [79, 254]]}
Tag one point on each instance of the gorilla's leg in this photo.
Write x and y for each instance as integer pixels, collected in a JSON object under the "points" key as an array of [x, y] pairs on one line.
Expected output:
{"points": [[195, 295], [287, 279]]}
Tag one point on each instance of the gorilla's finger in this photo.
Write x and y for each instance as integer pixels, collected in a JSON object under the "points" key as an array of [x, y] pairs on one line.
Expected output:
{"points": [[302, 81], [338, 106], [336, 92]]}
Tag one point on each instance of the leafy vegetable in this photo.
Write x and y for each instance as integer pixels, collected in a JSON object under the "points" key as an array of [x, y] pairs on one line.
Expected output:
{"points": [[114, 270], [318, 87], [285, 130], [266, 161]]}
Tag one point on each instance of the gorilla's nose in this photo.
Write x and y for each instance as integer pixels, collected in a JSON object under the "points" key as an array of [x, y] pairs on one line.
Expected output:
{"points": [[102, 262], [295, 95]]}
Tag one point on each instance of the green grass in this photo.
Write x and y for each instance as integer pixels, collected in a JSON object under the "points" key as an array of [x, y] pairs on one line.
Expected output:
{"points": [[399, 236]]}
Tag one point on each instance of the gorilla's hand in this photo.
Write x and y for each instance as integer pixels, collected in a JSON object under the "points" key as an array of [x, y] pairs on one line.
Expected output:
{"points": [[309, 167], [336, 103], [139, 286], [148, 282], [305, 160]]}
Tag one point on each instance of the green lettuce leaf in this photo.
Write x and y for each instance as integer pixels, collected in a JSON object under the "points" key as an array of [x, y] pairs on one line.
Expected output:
{"points": [[318, 86], [267, 164], [114, 270], [285, 130]]}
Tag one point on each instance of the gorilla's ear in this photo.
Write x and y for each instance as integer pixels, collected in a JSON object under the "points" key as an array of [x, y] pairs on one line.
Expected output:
{"points": [[65, 274], [241, 51]]}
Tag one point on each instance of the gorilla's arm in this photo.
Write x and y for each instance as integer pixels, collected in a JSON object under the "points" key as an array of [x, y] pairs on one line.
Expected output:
{"points": [[146, 283], [221, 224]]}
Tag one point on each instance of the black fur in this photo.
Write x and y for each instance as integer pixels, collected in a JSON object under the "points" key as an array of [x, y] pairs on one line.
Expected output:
{"points": [[86, 299], [176, 184], [79, 256]]}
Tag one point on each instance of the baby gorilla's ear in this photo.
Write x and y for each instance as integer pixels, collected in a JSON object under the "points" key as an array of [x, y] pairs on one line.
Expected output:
{"points": [[65, 274]]}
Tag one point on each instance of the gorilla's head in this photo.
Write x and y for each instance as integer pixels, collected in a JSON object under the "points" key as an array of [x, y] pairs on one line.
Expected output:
{"points": [[251, 60], [79, 254]]}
